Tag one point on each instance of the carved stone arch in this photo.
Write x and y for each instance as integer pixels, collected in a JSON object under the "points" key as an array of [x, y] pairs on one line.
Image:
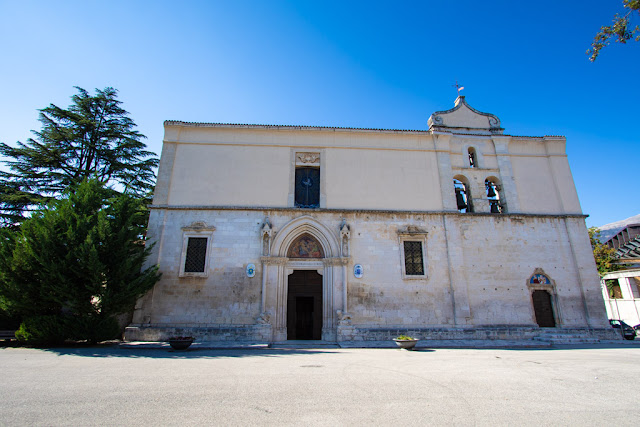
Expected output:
{"points": [[495, 195], [330, 267], [461, 185], [306, 225], [540, 282], [495, 179]]}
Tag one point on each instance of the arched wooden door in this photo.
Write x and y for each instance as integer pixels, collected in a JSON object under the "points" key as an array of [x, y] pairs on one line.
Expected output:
{"points": [[543, 309]]}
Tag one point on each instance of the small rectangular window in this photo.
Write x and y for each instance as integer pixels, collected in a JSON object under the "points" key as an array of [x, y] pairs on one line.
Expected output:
{"points": [[635, 286], [613, 288], [413, 259], [195, 260]]}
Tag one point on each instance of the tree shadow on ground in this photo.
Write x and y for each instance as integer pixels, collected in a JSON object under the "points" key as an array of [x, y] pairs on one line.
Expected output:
{"points": [[113, 350]]}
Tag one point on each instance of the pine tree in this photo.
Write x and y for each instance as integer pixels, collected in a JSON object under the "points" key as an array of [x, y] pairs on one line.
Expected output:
{"points": [[78, 263], [93, 138]]}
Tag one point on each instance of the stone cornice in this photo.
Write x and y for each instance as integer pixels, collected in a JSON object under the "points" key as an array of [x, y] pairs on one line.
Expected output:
{"points": [[274, 260], [298, 211], [336, 261]]}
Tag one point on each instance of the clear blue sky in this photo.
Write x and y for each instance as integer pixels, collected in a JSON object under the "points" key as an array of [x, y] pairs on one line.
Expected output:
{"points": [[339, 63]]}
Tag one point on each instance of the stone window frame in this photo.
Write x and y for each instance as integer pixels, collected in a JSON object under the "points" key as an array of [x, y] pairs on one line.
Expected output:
{"points": [[479, 158], [551, 288], [196, 229], [413, 234], [307, 157]]}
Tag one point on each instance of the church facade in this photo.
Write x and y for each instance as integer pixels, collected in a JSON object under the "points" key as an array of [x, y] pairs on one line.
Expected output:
{"points": [[275, 233]]}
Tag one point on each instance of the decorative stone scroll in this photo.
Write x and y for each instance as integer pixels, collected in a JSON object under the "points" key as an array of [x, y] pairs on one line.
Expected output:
{"points": [[264, 318], [344, 319], [199, 226], [307, 158], [412, 230], [465, 119]]}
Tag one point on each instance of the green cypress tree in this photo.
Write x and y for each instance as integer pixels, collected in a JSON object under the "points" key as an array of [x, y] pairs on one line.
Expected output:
{"points": [[76, 264]]}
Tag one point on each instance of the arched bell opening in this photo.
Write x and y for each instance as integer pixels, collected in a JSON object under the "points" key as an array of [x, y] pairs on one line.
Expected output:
{"points": [[464, 202], [473, 157], [494, 195]]}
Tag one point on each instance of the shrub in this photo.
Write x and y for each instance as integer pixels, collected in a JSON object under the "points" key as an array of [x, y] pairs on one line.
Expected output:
{"points": [[404, 337], [101, 329], [42, 330], [81, 259]]}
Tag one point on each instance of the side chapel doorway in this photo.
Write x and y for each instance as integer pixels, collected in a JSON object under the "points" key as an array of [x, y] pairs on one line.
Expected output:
{"points": [[304, 305], [543, 309]]}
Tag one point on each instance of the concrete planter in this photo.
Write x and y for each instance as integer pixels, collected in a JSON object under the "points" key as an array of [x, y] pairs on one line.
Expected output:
{"points": [[180, 344], [406, 344]]}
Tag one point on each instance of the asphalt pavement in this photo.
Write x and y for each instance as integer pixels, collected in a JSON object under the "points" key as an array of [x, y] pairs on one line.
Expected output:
{"points": [[109, 385]]}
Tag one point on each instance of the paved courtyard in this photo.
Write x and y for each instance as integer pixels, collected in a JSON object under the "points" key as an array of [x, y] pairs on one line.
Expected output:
{"points": [[594, 385]]}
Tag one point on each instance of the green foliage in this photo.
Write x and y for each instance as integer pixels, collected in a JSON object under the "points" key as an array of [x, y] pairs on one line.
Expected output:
{"points": [[8, 322], [613, 288], [619, 31], [606, 260], [80, 259], [50, 330], [405, 338], [41, 331], [92, 139]]}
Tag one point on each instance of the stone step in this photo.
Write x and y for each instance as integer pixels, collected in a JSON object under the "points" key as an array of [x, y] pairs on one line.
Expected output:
{"points": [[574, 341], [304, 344], [567, 339]]}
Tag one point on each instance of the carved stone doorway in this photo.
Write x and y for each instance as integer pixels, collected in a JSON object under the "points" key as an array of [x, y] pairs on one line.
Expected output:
{"points": [[304, 305], [543, 309]]}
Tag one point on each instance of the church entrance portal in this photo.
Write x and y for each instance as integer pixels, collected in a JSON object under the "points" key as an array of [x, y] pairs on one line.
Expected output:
{"points": [[543, 309], [304, 306]]}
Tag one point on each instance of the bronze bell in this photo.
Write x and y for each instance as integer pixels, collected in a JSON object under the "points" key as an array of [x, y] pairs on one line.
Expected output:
{"points": [[460, 199], [490, 190]]}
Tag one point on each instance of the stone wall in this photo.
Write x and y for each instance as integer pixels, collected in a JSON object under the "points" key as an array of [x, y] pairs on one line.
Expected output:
{"points": [[477, 271]]}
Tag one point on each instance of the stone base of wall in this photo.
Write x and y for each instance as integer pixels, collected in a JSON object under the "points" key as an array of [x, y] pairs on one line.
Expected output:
{"points": [[263, 333], [483, 333], [150, 332]]}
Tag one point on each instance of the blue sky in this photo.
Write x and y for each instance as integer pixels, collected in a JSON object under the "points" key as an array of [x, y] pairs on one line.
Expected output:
{"points": [[339, 63]]}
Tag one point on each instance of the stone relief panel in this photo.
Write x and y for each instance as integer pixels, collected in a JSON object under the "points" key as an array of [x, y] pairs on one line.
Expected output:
{"points": [[308, 159]]}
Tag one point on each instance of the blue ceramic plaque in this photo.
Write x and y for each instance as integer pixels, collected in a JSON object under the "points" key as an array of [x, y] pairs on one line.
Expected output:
{"points": [[251, 270], [358, 270]]}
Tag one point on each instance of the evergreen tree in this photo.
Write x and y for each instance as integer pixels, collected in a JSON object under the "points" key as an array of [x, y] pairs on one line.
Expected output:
{"points": [[76, 264], [92, 139]]}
